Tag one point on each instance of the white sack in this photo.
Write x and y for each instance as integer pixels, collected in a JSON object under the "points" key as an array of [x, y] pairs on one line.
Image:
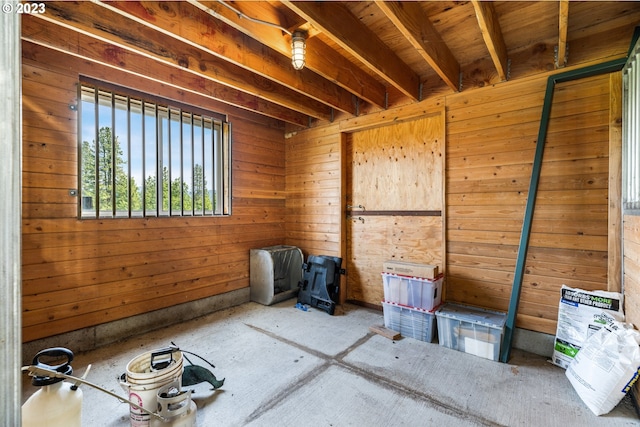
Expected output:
{"points": [[606, 366], [579, 317]]}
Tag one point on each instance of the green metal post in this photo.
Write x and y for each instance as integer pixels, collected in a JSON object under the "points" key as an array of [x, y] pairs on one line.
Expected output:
{"points": [[606, 67]]}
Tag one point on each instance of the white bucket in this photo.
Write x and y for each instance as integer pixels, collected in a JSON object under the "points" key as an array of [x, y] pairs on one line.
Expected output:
{"points": [[142, 382]]}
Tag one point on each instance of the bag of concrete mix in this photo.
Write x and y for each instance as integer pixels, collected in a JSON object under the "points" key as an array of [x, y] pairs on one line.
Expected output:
{"points": [[579, 317], [606, 366]]}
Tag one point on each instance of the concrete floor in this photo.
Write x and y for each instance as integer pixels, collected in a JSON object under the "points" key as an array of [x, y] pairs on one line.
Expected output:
{"points": [[287, 367]]}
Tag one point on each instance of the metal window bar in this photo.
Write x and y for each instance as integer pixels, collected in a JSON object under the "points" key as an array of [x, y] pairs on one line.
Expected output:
{"points": [[96, 109], [634, 143], [219, 141], [633, 136], [168, 166], [80, 163], [207, 131], [143, 109], [185, 146], [162, 161], [158, 162], [113, 156], [631, 127], [204, 173], [160, 158], [226, 168], [215, 141], [634, 158], [128, 106], [193, 160], [181, 182], [220, 165], [218, 145]]}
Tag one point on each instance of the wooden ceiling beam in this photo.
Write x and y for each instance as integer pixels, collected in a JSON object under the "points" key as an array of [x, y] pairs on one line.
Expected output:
{"points": [[198, 29], [103, 24], [321, 59], [563, 29], [416, 27], [492, 34], [55, 38], [338, 23]]}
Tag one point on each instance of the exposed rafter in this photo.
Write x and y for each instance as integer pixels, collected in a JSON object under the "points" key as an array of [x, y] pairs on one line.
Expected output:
{"points": [[411, 21], [103, 24], [492, 35], [56, 38], [321, 58], [363, 57], [215, 37], [336, 22]]}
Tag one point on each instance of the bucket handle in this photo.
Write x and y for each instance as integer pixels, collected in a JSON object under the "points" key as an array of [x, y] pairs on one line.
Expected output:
{"points": [[156, 366]]}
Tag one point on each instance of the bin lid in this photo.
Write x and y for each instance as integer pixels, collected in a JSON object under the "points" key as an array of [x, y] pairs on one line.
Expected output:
{"points": [[471, 314]]}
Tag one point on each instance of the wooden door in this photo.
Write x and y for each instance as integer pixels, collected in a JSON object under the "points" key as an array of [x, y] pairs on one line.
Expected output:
{"points": [[395, 177]]}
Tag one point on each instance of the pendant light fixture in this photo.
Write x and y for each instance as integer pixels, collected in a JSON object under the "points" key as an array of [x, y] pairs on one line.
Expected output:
{"points": [[298, 49]]}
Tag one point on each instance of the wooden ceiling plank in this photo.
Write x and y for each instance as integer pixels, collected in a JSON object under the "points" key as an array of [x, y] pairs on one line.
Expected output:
{"points": [[198, 29], [416, 27], [321, 59], [50, 36], [336, 22], [332, 66], [490, 28], [100, 23], [268, 35], [563, 28]]}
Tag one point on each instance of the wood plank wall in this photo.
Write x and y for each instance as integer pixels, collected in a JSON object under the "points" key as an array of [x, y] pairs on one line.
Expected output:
{"points": [[491, 138], [632, 269], [315, 194], [632, 278], [82, 273], [491, 135]]}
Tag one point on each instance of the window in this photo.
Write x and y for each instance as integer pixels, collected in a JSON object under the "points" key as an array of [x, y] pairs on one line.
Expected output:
{"points": [[631, 133], [141, 157]]}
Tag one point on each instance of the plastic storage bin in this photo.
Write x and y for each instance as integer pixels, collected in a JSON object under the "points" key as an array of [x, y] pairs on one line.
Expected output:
{"points": [[472, 330], [412, 291], [410, 322]]}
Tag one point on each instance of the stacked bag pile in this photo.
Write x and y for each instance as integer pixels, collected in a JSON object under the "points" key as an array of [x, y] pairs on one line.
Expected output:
{"points": [[601, 353]]}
